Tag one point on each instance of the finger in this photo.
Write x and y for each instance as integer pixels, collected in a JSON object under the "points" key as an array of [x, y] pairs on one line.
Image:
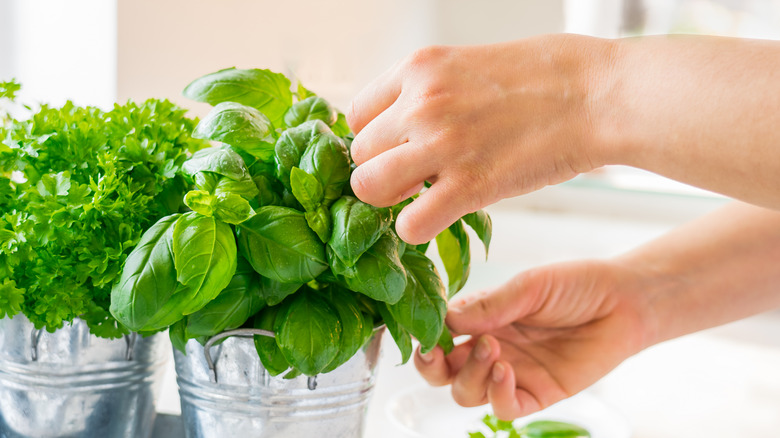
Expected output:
{"points": [[502, 393], [392, 176], [372, 100], [385, 131], [436, 209], [433, 367], [489, 310], [469, 386], [535, 387], [438, 369]]}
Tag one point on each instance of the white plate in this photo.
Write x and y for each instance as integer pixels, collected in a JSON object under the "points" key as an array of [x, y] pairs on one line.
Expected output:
{"points": [[425, 412]]}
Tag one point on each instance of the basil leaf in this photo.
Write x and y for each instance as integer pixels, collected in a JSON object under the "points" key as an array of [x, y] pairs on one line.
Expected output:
{"points": [[204, 254], [356, 227], [172, 310], [178, 334], [240, 300], [220, 160], [319, 221], [267, 194], [240, 126], [553, 429], [445, 341], [310, 108], [352, 325], [309, 332], [274, 292], [264, 90], [423, 306], [216, 184], [232, 209], [270, 355], [148, 279], [200, 201], [293, 373], [453, 245], [341, 128], [480, 222], [306, 189], [378, 274], [401, 337], [292, 144], [327, 158], [280, 245], [302, 92]]}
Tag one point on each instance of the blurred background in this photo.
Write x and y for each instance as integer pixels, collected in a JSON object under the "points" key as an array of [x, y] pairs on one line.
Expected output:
{"points": [[718, 383]]}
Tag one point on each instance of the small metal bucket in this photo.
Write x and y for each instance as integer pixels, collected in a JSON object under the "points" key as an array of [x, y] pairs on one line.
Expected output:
{"points": [[236, 397], [73, 384]]}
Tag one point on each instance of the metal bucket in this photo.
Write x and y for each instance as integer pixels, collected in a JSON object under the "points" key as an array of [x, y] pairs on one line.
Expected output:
{"points": [[72, 384], [247, 402]]}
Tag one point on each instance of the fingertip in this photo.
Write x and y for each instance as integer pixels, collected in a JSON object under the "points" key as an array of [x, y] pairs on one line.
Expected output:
{"points": [[433, 367], [432, 212], [356, 151], [501, 392], [408, 228]]}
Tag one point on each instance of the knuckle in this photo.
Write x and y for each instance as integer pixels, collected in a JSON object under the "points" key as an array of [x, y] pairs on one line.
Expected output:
{"points": [[352, 116], [426, 57], [481, 188]]}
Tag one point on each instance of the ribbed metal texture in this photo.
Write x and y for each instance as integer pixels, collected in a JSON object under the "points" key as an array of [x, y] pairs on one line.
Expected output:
{"points": [[247, 402], [73, 384]]}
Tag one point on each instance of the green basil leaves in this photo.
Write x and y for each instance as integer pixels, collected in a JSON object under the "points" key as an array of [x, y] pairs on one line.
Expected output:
{"points": [[270, 235], [264, 90]]}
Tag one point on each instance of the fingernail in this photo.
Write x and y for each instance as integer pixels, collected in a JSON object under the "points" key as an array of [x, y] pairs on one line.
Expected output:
{"points": [[482, 350], [427, 357], [457, 306], [498, 372]]}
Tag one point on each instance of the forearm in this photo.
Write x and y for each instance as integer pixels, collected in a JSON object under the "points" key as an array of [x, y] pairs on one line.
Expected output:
{"points": [[701, 110], [720, 268]]}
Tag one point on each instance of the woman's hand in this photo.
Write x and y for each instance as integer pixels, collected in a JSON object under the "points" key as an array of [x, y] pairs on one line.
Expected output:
{"points": [[544, 336], [555, 330], [480, 123], [484, 123]]}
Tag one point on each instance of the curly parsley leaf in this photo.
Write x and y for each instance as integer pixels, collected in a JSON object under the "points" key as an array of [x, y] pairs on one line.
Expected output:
{"points": [[78, 187]]}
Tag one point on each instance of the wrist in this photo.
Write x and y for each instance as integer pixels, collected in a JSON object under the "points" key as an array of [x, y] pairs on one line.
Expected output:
{"points": [[653, 289], [607, 125]]}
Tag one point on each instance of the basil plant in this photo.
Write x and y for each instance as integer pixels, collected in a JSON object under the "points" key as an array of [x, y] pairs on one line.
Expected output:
{"points": [[273, 238]]}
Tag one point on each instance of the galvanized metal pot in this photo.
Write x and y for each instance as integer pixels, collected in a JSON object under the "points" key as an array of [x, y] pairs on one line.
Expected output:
{"points": [[73, 384], [237, 396]]}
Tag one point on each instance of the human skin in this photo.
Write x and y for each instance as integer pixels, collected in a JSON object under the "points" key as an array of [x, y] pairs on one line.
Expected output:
{"points": [[553, 331], [483, 123]]}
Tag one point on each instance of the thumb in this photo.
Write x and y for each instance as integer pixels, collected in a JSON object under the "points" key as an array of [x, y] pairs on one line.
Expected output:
{"points": [[488, 310]]}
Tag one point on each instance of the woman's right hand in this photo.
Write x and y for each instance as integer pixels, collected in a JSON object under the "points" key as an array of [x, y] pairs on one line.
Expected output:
{"points": [[480, 123]]}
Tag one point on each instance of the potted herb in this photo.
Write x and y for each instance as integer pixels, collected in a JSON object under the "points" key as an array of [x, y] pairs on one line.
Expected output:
{"points": [[276, 244], [78, 187]]}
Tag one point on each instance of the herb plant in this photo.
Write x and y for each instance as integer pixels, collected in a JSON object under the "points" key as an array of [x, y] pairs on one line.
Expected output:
{"points": [[8, 90], [534, 429], [78, 187], [275, 239]]}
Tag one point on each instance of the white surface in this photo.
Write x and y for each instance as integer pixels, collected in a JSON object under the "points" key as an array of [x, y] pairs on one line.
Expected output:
{"points": [[425, 412]]}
